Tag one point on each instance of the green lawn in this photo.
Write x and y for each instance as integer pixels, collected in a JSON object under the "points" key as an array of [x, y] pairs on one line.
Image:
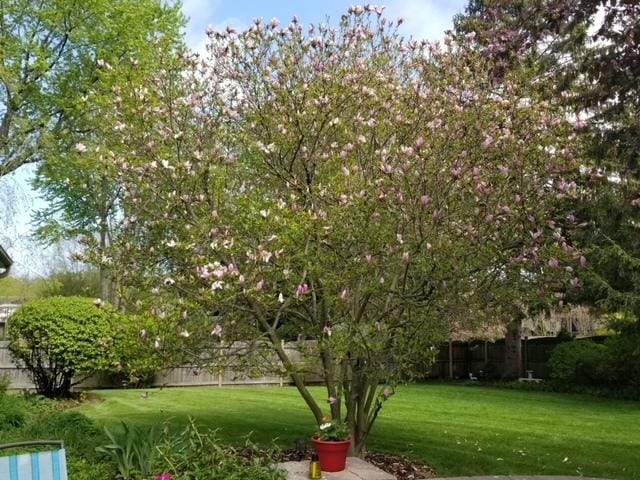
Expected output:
{"points": [[459, 430]]}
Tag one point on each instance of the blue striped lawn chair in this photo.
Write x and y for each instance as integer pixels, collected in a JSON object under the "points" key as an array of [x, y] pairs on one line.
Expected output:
{"points": [[49, 465]]}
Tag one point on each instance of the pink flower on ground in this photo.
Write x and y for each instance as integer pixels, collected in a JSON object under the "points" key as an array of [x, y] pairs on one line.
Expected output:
{"points": [[164, 476]]}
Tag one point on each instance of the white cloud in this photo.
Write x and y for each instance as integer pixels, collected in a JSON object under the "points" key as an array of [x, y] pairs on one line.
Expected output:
{"points": [[426, 19], [199, 13]]}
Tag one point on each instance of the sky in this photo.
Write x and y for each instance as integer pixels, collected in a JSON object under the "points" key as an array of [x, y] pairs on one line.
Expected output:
{"points": [[423, 19]]}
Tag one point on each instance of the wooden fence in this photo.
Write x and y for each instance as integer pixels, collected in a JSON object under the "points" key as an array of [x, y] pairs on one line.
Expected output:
{"points": [[487, 359], [187, 375]]}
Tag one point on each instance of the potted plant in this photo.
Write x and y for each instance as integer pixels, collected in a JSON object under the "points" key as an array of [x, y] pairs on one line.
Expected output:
{"points": [[331, 441]]}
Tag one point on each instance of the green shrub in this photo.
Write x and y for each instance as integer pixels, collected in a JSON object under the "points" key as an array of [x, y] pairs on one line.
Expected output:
{"points": [[60, 337], [81, 437], [5, 383], [138, 358], [624, 358], [67, 283], [132, 452], [579, 363], [73, 427], [191, 454], [196, 455], [13, 411], [79, 433]]}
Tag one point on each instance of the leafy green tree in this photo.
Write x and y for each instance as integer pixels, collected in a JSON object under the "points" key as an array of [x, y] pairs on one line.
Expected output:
{"points": [[50, 55], [61, 341], [64, 63], [69, 283], [371, 192]]}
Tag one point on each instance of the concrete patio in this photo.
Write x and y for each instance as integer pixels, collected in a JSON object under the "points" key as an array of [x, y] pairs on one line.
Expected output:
{"points": [[358, 469]]}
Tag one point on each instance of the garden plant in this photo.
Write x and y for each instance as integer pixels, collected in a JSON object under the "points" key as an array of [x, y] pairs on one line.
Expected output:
{"points": [[367, 191]]}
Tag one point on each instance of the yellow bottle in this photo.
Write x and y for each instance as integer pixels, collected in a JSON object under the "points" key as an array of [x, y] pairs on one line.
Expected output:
{"points": [[314, 467]]}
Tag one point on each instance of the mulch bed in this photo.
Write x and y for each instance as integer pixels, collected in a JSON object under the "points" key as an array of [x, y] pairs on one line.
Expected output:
{"points": [[400, 466]]}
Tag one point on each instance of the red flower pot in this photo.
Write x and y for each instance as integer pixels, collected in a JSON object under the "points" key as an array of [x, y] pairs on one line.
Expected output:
{"points": [[333, 455]]}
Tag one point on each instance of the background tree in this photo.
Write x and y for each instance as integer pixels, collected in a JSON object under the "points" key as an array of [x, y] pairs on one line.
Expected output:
{"points": [[50, 53], [62, 64], [368, 191], [588, 52]]}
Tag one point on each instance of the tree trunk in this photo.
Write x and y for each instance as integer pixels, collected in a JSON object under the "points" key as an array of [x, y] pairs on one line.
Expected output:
{"points": [[104, 274], [513, 351]]}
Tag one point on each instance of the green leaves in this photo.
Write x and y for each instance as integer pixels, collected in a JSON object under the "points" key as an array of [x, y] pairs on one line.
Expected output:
{"points": [[58, 338], [133, 451]]}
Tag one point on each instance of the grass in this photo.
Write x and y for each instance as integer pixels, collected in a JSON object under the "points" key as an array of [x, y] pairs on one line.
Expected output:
{"points": [[459, 430]]}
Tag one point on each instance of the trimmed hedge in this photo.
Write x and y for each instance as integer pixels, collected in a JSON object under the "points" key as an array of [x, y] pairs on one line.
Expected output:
{"points": [[59, 338]]}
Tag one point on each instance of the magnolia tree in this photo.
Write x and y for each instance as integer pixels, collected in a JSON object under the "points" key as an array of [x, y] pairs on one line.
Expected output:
{"points": [[367, 192]]}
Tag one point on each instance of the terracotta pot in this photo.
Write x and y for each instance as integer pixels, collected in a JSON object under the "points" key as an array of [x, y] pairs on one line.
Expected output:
{"points": [[333, 455]]}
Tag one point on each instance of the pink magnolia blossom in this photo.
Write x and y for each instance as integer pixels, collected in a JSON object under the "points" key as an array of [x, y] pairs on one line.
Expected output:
{"points": [[408, 151], [425, 199], [536, 235], [554, 263], [80, 147], [302, 289]]}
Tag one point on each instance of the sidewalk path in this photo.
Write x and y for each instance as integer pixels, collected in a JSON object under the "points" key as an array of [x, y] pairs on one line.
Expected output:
{"points": [[518, 477]]}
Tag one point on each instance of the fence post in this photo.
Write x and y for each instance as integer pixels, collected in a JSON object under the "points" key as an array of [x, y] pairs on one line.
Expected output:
{"points": [[281, 378]]}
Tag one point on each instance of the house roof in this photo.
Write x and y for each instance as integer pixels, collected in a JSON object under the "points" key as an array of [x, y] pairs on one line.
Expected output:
{"points": [[5, 262]]}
